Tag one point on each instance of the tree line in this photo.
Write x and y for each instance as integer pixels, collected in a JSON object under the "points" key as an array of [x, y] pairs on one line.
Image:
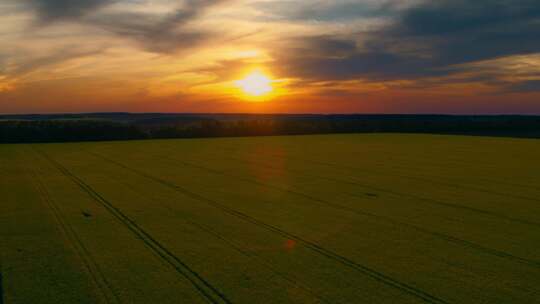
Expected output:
{"points": [[75, 129]]}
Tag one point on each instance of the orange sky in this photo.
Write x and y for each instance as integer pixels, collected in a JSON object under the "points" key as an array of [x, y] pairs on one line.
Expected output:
{"points": [[342, 56]]}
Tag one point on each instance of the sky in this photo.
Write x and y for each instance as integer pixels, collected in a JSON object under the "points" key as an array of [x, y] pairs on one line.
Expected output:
{"points": [[319, 56]]}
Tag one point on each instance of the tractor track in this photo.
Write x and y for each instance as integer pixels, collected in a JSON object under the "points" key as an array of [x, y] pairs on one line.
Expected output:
{"points": [[456, 161], [443, 236], [99, 279], [209, 292], [243, 251], [400, 194], [448, 238], [433, 201], [437, 202], [431, 181], [378, 276], [419, 198], [423, 179]]}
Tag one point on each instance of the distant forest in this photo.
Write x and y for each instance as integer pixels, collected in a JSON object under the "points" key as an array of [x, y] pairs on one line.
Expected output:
{"points": [[126, 126]]}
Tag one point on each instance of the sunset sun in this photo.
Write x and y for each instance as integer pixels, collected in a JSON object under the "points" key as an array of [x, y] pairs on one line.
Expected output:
{"points": [[255, 84]]}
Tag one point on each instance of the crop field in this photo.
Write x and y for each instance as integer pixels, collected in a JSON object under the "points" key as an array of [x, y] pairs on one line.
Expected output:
{"points": [[294, 219]]}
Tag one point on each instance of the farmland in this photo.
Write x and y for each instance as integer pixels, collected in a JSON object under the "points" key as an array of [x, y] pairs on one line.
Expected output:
{"points": [[391, 218]]}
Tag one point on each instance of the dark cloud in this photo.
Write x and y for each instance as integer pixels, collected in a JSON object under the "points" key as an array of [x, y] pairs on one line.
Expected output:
{"points": [[295, 10], [345, 63], [348, 11], [525, 86], [54, 10], [461, 16], [159, 33], [434, 38], [327, 46], [461, 31], [151, 32]]}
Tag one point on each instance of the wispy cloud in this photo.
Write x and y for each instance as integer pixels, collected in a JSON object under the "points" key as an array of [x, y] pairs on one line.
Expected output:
{"points": [[159, 33]]}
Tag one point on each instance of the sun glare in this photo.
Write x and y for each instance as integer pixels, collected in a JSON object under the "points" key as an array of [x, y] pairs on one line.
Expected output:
{"points": [[255, 84]]}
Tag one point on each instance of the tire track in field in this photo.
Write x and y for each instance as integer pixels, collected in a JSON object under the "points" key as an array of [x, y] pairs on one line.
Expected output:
{"points": [[427, 180], [456, 160], [209, 292], [437, 202], [435, 164], [430, 181], [424, 178], [442, 179], [424, 199], [400, 194], [99, 279], [235, 245], [456, 240], [438, 166], [416, 197], [242, 250], [372, 273]]}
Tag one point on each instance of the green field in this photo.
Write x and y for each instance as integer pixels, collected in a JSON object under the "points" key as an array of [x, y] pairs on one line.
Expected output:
{"points": [[306, 219]]}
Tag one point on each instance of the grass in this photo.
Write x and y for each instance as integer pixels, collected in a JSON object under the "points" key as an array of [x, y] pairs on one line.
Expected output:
{"points": [[306, 219]]}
